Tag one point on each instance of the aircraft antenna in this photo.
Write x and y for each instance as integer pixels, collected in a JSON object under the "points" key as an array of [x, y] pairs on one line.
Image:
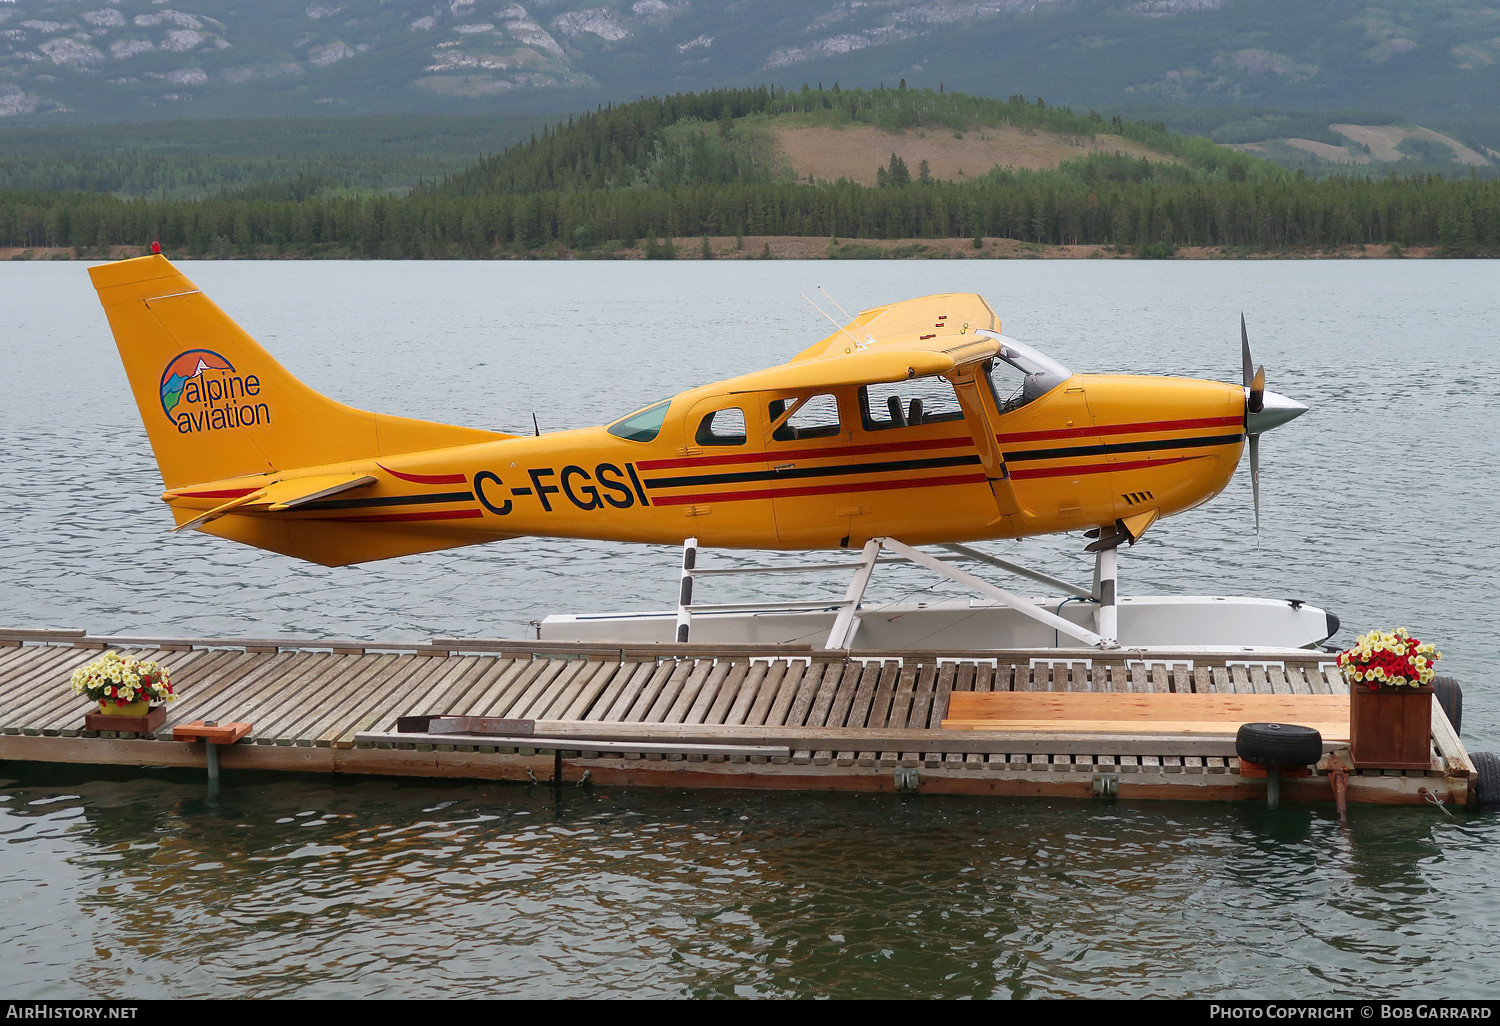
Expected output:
{"points": [[535, 427], [858, 344], [835, 302]]}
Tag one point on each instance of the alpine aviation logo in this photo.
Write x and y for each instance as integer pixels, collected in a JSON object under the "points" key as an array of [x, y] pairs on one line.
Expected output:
{"points": [[201, 391]]}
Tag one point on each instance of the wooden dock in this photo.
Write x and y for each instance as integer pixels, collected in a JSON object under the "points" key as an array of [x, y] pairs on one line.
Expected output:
{"points": [[1121, 724]]}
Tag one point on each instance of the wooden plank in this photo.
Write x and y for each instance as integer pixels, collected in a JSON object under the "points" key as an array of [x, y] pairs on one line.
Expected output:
{"points": [[828, 693], [904, 695], [622, 688], [853, 703], [770, 688], [447, 692], [744, 698], [943, 695], [808, 689], [274, 710], [566, 744], [791, 688], [673, 708], [576, 706], [562, 690], [340, 725], [707, 694], [641, 707], [641, 684], [879, 712], [216, 695], [923, 695], [728, 689], [37, 683], [1239, 681], [346, 689]]}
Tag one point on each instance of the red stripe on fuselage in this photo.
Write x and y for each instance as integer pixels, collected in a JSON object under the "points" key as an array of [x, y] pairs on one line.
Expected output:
{"points": [[1122, 429], [831, 489], [224, 493], [425, 478], [446, 514]]}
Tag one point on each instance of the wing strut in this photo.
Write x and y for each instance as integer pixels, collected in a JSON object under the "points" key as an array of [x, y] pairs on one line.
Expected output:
{"points": [[966, 385]]}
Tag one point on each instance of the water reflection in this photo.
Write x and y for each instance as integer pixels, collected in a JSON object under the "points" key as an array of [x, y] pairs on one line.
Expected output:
{"points": [[398, 889]]}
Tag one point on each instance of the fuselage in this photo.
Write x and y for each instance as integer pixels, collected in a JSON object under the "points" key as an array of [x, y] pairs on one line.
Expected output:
{"points": [[718, 466]]}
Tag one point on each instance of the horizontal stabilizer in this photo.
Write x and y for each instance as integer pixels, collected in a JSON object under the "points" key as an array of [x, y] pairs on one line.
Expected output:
{"points": [[291, 494], [276, 497]]}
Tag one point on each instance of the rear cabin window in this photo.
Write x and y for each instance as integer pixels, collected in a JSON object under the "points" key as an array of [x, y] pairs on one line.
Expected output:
{"points": [[722, 427], [912, 403], [818, 417]]}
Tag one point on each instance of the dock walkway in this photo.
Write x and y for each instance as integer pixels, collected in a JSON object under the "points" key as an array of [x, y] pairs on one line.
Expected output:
{"points": [[713, 716]]}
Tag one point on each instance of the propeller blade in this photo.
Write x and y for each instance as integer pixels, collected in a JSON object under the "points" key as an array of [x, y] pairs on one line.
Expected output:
{"points": [[1245, 351], [1255, 478], [1257, 399]]}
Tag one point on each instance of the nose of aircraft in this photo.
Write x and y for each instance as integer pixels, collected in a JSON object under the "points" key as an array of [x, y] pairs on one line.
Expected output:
{"points": [[1275, 411]]}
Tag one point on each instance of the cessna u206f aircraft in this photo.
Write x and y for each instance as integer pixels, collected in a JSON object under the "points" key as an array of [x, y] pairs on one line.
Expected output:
{"points": [[916, 423]]}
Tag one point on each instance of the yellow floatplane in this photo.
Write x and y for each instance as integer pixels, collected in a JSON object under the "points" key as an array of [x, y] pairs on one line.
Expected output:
{"points": [[916, 423]]}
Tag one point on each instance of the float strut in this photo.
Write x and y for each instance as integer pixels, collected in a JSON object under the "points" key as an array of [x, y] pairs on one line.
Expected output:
{"points": [[1106, 584], [685, 589]]}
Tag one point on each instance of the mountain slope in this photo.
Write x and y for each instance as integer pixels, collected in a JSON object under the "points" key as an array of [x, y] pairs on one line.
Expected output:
{"points": [[134, 58]]}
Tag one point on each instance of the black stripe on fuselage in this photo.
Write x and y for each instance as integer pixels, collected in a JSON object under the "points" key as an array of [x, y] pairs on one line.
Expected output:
{"points": [[887, 466], [389, 500], [1106, 449]]}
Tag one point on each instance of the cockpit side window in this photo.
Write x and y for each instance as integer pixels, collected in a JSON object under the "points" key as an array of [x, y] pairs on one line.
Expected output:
{"points": [[1009, 385], [818, 417], [722, 427], [911, 403]]}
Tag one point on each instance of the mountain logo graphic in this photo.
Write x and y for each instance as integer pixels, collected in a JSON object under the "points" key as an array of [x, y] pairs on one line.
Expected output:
{"points": [[182, 368]]}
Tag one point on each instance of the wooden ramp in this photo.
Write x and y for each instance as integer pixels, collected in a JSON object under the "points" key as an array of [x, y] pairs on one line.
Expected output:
{"points": [[1155, 713], [1126, 724]]}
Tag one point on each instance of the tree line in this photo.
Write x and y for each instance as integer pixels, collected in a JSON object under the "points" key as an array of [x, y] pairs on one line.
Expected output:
{"points": [[684, 166]]}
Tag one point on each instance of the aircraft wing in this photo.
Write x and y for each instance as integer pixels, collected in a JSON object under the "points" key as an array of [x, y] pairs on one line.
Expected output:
{"points": [[932, 322], [934, 335], [868, 366]]}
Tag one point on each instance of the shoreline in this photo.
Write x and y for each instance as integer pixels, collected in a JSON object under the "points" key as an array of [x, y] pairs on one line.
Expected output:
{"points": [[792, 247]]}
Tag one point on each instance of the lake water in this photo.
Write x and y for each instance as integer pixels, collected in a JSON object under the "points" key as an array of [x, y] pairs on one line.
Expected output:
{"points": [[1376, 504]]}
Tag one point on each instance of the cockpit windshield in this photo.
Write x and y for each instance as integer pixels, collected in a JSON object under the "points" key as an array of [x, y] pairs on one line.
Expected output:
{"points": [[1021, 374]]}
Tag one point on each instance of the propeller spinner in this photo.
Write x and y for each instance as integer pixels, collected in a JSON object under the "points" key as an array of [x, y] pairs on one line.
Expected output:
{"points": [[1263, 411]]}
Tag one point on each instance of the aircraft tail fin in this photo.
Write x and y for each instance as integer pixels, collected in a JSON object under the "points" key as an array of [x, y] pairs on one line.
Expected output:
{"points": [[216, 405]]}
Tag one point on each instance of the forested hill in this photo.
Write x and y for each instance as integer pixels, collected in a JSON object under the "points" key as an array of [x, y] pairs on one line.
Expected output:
{"points": [[712, 169], [733, 137]]}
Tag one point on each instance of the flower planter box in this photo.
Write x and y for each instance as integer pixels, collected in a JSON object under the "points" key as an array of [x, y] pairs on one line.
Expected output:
{"points": [[1390, 729], [146, 724]]}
